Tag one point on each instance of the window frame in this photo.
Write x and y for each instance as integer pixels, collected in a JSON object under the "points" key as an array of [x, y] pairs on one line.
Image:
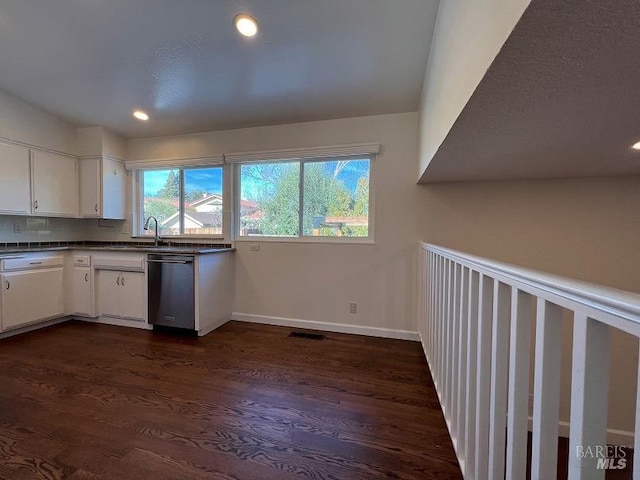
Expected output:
{"points": [[138, 194], [300, 238]]}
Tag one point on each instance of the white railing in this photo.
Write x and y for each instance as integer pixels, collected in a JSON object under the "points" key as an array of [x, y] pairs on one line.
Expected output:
{"points": [[475, 318]]}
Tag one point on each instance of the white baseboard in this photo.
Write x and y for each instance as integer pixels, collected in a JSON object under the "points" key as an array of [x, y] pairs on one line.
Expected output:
{"points": [[33, 326], [212, 326], [119, 322], [326, 326]]}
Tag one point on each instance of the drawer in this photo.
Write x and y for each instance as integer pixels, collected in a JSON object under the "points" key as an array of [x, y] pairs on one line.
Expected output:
{"points": [[81, 261], [128, 264], [28, 263]]}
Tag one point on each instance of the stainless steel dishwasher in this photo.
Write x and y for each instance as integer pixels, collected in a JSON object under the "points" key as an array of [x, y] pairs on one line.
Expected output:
{"points": [[171, 291]]}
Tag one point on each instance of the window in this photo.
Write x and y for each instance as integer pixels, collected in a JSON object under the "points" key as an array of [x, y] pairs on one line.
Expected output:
{"points": [[305, 198], [185, 201]]}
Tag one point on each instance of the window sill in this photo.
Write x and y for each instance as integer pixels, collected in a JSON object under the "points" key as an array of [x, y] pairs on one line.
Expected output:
{"points": [[322, 240]]}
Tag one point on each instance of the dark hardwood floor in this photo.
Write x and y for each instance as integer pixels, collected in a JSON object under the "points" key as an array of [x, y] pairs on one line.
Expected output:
{"points": [[86, 401]]}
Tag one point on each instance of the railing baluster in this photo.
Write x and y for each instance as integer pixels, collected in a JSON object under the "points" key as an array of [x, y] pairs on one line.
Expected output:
{"points": [[472, 349], [455, 351], [499, 370], [546, 391], [518, 405], [589, 395], [483, 374], [436, 320], [461, 346], [636, 443], [446, 374]]}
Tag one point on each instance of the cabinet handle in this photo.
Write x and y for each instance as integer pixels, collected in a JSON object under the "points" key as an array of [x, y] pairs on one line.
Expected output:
{"points": [[122, 280], [118, 280], [35, 204], [96, 207], [86, 277], [35, 263], [8, 284]]}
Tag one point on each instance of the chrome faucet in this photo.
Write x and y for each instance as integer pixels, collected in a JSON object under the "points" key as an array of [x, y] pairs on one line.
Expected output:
{"points": [[146, 227]]}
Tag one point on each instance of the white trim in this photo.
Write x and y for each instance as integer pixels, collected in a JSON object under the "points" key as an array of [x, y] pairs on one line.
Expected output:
{"points": [[31, 146], [305, 153], [614, 436], [100, 157], [213, 325], [213, 160], [118, 322], [34, 326], [308, 239], [326, 326]]}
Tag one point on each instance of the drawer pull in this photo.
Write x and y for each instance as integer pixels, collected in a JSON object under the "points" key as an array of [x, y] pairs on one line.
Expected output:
{"points": [[35, 263]]}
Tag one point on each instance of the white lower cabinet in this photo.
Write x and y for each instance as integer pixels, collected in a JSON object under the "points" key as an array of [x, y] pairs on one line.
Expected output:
{"points": [[82, 291], [121, 294], [30, 296]]}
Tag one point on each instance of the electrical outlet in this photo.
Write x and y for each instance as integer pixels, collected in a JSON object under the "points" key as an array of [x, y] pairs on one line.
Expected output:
{"points": [[353, 307], [255, 247], [17, 228]]}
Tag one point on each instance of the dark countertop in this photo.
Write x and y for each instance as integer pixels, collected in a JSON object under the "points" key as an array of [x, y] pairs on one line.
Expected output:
{"points": [[177, 249]]}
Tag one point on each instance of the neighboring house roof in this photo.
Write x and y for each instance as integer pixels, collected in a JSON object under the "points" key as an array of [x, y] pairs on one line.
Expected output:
{"points": [[199, 218], [214, 198]]}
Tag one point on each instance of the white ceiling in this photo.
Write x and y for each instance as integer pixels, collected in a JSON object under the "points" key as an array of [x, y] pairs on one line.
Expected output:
{"points": [[562, 99], [93, 61]]}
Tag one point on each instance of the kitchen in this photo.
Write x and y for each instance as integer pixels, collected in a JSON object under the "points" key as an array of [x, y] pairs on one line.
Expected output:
{"points": [[72, 194]]}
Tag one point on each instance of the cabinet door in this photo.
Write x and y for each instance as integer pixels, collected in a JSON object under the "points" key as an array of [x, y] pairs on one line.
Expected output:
{"points": [[109, 293], [31, 296], [82, 292], [55, 185], [134, 294], [113, 189], [90, 187], [15, 185]]}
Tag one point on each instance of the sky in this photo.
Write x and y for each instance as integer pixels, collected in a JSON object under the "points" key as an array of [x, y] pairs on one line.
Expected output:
{"points": [[210, 179]]}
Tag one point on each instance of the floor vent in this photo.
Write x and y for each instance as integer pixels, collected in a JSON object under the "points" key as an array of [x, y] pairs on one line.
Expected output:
{"points": [[310, 336]]}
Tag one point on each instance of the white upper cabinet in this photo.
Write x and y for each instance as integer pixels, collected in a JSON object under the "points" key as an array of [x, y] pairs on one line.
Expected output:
{"points": [[15, 186], [102, 188], [55, 185]]}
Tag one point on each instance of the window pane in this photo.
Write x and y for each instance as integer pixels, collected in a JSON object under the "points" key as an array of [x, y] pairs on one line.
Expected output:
{"points": [[336, 198], [161, 194], [203, 201], [269, 199]]}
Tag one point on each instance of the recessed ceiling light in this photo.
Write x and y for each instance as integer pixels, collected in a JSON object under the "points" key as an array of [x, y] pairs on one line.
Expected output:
{"points": [[246, 24], [636, 146], [140, 115]]}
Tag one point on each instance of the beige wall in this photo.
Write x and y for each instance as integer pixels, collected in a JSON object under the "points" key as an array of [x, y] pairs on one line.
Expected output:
{"points": [[318, 281], [586, 228], [467, 38]]}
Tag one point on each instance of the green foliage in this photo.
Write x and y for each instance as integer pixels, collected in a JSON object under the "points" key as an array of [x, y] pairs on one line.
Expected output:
{"points": [[281, 207], [361, 206], [159, 208], [324, 196], [171, 188]]}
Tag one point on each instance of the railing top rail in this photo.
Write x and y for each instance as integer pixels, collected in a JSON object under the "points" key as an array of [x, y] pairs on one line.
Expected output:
{"points": [[601, 302]]}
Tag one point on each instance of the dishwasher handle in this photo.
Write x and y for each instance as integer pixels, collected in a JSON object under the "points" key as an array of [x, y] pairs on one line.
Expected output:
{"points": [[180, 262]]}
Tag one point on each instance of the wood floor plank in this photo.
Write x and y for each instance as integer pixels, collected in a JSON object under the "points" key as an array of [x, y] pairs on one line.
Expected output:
{"points": [[246, 402]]}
